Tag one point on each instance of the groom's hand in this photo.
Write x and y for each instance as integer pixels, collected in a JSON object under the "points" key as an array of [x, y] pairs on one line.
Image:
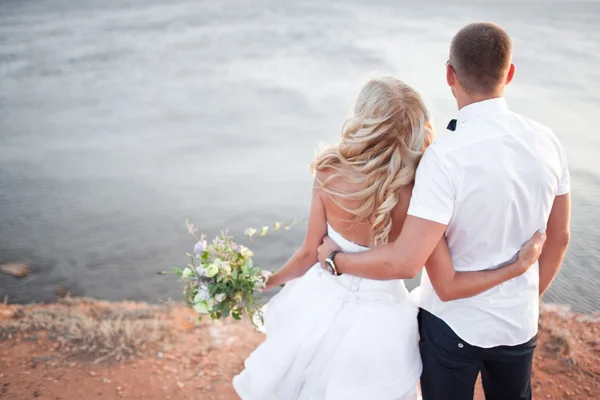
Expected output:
{"points": [[325, 249]]}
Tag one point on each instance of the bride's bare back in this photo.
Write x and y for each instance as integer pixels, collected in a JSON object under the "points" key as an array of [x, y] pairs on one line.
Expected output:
{"points": [[343, 222]]}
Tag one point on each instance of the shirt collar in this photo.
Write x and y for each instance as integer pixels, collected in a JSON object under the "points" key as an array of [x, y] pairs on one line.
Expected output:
{"points": [[491, 106]]}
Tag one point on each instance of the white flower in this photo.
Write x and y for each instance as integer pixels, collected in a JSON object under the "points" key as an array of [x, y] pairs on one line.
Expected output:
{"points": [[220, 297], [223, 266], [246, 252], [201, 307], [250, 232], [212, 270], [200, 271], [278, 226], [202, 294], [187, 273], [264, 230]]}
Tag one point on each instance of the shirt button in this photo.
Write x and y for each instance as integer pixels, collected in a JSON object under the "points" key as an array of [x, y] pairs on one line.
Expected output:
{"points": [[460, 345]]}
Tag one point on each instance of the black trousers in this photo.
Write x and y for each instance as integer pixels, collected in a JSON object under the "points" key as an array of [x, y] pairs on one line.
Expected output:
{"points": [[451, 365]]}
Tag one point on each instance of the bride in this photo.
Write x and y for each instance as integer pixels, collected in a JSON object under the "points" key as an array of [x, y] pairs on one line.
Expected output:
{"points": [[342, 337]]}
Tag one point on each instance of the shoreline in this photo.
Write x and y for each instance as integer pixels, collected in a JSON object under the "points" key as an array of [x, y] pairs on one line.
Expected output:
{"points": [[82, 348]]}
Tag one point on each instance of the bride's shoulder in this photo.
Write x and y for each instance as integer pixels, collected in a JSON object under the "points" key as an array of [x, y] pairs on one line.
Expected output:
{"points": [[323, 174], [334, 180]]}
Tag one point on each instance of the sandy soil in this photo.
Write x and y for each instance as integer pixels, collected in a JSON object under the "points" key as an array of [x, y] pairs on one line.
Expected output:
{"points": [[86, 349]]}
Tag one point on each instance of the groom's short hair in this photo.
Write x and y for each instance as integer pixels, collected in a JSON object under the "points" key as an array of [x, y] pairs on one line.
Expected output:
{"points": [[480, 54]]}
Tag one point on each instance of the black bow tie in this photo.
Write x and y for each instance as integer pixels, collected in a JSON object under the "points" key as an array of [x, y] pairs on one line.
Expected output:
{"points": [[451, 125]]}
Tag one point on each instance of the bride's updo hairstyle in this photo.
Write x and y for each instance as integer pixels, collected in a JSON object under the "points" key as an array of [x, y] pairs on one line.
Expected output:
{"points": [[381, 146]]}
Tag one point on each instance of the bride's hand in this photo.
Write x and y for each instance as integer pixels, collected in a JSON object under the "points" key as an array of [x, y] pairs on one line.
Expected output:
{"points": [[266, 276], [530, 252]]}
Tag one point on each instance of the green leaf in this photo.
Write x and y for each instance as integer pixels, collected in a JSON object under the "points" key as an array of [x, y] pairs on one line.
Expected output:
{"points": [[236, 315], [177, 271]]}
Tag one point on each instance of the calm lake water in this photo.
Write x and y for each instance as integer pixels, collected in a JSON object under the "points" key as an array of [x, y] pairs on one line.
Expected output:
{"points": [[120, 119]]}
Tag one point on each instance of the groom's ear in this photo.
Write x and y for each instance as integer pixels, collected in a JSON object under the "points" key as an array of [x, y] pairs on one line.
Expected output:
{"points": [[511, 74], [450, 75]]}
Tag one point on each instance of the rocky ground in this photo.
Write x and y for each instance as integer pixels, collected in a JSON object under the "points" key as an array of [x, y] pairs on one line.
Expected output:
{"points": [[87, 349]]}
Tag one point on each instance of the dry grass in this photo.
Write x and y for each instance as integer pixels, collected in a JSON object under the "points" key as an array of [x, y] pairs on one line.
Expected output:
{"points": [[94, 330]]}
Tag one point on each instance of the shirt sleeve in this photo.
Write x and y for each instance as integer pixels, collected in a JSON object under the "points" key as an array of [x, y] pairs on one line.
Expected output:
{"points": [[434, 192], [564, 184]]}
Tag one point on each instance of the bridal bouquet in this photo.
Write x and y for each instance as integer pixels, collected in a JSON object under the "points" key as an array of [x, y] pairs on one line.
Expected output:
{"points": [[221, 279]]}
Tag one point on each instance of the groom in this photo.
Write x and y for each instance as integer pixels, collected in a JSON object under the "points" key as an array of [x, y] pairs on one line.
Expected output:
{"points": [[487, 187]]}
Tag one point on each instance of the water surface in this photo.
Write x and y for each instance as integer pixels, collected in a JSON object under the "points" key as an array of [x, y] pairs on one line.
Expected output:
{"points": [[120, 119]]}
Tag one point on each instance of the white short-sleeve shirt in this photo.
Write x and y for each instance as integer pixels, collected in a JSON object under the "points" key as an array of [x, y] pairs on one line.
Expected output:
{"points": [[493, 182]]}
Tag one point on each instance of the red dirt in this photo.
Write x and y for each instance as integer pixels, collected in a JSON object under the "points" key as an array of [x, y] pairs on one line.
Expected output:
{"points": [[199, 361]]}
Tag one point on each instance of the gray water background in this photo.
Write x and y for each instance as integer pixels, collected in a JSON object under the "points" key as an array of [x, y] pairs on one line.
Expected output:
{"points": [[120, 119]]}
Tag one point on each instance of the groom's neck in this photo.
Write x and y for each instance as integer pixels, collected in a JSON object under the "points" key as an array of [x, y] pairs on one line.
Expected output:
{"points": [[466, 99]]}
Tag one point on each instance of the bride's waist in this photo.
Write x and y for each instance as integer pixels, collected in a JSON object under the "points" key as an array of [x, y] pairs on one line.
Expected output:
{"points": [[364, 288]]}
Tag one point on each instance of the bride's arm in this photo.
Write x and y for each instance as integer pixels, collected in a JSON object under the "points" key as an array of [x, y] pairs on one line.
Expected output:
{"points": [[306, 256], [452, 285]]}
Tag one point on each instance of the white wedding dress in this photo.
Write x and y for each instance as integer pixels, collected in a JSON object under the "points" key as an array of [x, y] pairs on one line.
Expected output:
{"points": [[336, 338]]}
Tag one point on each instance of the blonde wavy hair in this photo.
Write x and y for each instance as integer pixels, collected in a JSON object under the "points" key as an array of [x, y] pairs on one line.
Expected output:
{"points": [[381, 146]]}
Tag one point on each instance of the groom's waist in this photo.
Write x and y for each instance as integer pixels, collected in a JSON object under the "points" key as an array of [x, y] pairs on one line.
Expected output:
{"points": [[503, 316]]}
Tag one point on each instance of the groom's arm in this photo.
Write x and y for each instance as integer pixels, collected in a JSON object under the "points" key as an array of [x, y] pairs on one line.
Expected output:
{"points": [[555, 248], [557, 230], [402, 259]]}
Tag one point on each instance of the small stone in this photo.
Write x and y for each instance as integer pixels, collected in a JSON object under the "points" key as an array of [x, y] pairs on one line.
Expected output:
{"points": [[568, 361], [105, 380], [41, 359], [159, 355], [18, 270], [119, 388], [92, 373], [180, 384], [62, 292], [31, 338]]}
